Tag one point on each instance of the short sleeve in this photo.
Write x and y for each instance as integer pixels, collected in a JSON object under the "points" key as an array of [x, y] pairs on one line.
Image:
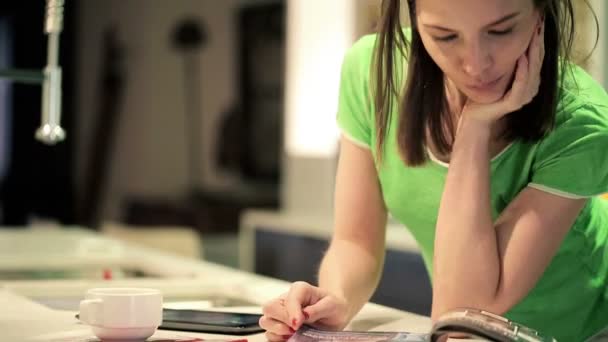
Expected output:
{"points": [[572, 160], [355, 112]]}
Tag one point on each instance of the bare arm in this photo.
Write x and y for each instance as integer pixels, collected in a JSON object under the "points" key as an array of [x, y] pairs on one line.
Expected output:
{"points": [[352, 266], [484, 264]]}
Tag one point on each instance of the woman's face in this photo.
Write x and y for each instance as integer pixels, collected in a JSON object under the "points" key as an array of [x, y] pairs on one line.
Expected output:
{"points": [[476, 43]]}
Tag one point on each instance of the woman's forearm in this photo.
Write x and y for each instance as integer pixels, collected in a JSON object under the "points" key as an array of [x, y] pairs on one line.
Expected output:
{"points": [[466, 258], [350, 272]]}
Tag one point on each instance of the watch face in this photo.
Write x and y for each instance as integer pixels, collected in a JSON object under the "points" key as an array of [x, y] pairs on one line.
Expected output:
{"points": [[473, 324], [599, 337]]}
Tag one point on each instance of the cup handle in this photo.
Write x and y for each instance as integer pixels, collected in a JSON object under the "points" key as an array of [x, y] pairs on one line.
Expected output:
{"points": [[90, 311]]}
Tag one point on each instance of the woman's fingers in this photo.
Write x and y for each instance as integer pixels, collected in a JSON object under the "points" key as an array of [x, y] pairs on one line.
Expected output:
{"points": [[536, 48], [274, 320], [303, 303], [542, 42], [275, 327], [272, 337], [536, 56], [326, 307], [527, 74], [515, 97], [276, 310], [300, 294]]}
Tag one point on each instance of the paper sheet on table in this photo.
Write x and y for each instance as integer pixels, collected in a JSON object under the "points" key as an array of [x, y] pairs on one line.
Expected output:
{"points": [[307, 334]]}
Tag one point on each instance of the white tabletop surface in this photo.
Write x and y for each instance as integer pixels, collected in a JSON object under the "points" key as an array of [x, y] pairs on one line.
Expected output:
{"points": [[23, 318]]}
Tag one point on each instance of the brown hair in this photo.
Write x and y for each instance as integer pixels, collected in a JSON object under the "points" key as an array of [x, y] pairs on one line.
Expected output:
{"points": [[420, 108]]}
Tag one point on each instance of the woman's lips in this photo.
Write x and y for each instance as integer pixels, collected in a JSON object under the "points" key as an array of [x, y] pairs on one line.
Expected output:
{"points": [[485, 86]]}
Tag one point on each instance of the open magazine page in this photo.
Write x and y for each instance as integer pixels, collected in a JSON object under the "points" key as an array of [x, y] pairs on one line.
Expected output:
{"points": [[309, 334]]}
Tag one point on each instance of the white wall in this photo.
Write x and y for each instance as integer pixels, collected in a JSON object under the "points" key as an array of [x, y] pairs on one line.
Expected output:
{"points": [[150, 151], [319, 33], [597, 64]]}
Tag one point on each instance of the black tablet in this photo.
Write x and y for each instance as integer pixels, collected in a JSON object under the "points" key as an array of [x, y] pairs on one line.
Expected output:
{"points": [[216, 322]]}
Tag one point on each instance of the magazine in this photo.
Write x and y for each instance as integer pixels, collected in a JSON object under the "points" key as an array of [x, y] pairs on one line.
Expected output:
{"points": [[463, 324], [309, 334]]}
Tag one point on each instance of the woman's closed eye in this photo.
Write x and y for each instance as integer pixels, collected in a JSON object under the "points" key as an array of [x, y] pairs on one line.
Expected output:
{"points": [[451, 37], [501, 32], [445, 38]]}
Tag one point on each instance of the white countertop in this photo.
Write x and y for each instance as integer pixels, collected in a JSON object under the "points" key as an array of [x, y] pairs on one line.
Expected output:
{"points": [[24, 320], [23, 317]]}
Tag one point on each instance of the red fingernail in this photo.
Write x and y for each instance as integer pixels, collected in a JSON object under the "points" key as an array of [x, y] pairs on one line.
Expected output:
{"points": [[306, 315], [294, 322]]}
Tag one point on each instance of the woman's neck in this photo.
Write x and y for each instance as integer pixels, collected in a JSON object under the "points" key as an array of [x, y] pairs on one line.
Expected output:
{"points": [[456, 99]]}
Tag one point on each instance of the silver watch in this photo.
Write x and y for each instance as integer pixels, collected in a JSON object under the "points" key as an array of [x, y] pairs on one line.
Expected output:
{"points": [[478, 324]]}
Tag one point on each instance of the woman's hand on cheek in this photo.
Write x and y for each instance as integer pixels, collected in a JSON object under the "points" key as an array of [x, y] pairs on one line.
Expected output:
{"points": [[524, 88]]}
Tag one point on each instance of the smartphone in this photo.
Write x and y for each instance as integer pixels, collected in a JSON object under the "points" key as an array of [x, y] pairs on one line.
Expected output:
{"points": [[228, 323]]}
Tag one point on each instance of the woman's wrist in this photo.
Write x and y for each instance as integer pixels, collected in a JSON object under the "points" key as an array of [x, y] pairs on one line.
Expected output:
{"points": [[473, 131]]}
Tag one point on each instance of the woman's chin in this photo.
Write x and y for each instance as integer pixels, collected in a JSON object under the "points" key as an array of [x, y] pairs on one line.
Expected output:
{"points": [[484, 97], [487, 95]]}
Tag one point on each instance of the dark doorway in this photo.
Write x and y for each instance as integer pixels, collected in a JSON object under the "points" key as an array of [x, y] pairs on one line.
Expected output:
{"points": [[38, 181]]}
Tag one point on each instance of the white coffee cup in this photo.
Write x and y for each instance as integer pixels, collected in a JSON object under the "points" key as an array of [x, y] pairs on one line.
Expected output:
{"points": [[122, 313]]}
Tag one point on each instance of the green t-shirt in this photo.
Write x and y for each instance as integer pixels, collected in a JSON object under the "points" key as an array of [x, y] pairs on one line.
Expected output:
{"points": [[570, 301]]}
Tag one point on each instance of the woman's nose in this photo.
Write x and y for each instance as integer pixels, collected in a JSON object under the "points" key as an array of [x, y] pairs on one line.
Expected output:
{"points": [[476, 60]]}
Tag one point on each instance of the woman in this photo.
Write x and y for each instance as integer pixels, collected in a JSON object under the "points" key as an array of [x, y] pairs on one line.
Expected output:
{"points": [[492, 153]]}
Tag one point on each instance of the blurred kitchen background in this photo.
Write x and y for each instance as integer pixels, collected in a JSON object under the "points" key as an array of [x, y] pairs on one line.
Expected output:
{"points": [[201, 127]]}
